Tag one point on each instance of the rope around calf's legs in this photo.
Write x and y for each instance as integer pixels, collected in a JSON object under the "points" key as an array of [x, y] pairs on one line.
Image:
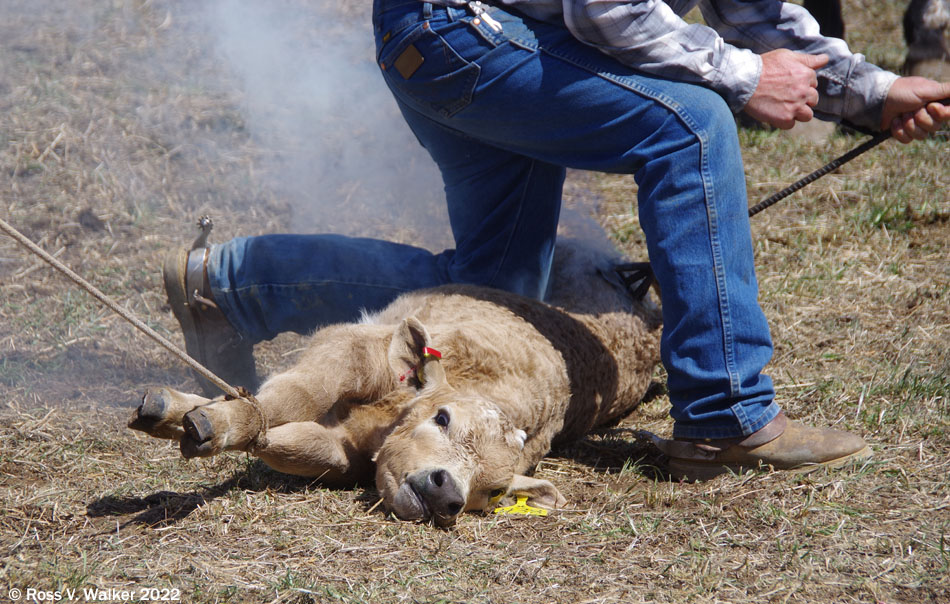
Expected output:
{"points": [[259, 441]]}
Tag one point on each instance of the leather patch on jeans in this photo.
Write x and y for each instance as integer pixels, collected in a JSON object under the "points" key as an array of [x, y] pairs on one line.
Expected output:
{"points": [[408, 62]]}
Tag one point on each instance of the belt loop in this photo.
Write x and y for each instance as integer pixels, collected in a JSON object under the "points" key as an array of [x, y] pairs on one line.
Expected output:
{"points": [[426, 10]]}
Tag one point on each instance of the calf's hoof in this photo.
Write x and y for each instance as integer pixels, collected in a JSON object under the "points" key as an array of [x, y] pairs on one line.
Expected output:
{"points": [[152, 416], [199, 438]]}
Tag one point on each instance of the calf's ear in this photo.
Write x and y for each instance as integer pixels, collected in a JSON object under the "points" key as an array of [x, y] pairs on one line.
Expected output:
{"points": [[409, 358], [540, 493]]}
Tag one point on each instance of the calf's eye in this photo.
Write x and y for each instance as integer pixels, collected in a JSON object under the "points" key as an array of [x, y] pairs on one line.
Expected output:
{"points": [[442, 418], [496, 494]]}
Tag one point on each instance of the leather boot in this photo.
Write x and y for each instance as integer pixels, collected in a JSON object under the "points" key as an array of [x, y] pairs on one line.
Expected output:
{"points": [[783, 444], [209, 337]]}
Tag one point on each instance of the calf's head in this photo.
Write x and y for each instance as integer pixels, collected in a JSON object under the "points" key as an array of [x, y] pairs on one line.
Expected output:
{"points": [[450, 451]]}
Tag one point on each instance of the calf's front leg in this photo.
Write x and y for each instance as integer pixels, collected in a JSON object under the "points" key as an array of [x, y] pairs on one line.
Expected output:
{"points": [[202, 426], [313, 450], [240, 424]]}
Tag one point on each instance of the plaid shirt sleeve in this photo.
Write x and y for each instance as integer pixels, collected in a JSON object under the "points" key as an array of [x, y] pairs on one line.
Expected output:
{"points": [[650, 36]]}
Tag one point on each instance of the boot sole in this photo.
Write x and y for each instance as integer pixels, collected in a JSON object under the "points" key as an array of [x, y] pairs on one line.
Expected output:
{"points": [[698, 471]]}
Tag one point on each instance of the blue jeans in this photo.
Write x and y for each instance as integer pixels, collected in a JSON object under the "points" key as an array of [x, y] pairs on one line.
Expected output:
{"points": [[502, 114]]}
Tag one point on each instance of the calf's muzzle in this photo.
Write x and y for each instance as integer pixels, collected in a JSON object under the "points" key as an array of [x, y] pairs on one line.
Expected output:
{"points": [[430, 493]]}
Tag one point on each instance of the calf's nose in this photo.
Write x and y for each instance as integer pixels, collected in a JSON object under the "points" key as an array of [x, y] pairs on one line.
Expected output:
{"points": [[443, 496]]}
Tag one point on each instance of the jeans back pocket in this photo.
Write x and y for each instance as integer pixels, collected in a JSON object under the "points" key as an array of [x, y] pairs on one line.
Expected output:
{"points": [[425, 72]]}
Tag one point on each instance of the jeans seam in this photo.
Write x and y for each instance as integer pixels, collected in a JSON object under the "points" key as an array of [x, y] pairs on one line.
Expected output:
{"points": [[712, 216], [621, 81]]}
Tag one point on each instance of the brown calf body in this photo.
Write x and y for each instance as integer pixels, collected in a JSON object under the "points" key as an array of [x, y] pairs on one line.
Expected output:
{"points": [[442, 435]]}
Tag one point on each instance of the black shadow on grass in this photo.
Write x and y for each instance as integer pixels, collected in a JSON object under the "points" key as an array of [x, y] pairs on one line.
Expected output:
{"points": [[618, 450], [165, 508], [159, 509]]}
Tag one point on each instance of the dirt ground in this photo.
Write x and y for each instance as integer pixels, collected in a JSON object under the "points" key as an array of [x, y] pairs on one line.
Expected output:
{"points": [[123, 121]]}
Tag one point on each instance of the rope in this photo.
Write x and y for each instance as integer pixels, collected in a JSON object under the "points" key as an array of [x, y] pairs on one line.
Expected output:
{"points": [[242, 394], [829, 167], [876, 139], [125, 314]]}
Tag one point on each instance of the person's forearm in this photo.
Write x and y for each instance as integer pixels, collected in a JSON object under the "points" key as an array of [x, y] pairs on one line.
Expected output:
{"points": [[650, 37], [848, 86]]}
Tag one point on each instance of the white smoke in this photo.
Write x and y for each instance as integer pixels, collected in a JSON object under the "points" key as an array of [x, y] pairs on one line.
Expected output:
{"points": [[313, 98], [339, 150]]}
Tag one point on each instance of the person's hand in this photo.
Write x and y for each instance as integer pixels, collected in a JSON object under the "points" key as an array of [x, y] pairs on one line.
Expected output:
{"points": [[788, 88], [912, 110]]}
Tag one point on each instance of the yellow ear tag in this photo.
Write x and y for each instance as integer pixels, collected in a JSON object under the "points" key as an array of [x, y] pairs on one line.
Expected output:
{"points": [[522, 507]]}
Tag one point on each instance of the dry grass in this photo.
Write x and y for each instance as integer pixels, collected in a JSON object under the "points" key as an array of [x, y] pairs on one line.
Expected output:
{"points": [[119, 128]]}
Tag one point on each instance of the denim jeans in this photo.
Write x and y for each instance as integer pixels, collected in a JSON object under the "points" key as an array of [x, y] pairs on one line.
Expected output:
{"points": [[503, 113]]}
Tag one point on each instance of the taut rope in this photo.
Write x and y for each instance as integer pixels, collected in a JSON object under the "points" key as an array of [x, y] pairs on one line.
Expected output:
{"points": [[876, 139], [829, 167], [125, 314]]}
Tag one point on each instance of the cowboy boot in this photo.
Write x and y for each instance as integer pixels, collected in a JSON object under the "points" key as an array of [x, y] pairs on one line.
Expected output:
{"points": [[209, 338]]}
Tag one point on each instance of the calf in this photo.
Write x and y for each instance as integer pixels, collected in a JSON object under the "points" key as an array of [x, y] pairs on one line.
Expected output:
{"points": [[450, 396]]}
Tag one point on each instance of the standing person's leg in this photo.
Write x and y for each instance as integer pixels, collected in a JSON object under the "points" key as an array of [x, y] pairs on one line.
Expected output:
{"points": [[530, 89], [828, 15]]}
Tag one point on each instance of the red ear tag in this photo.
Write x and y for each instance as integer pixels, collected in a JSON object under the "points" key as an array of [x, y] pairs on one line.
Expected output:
{"points": [[426, 353]]}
